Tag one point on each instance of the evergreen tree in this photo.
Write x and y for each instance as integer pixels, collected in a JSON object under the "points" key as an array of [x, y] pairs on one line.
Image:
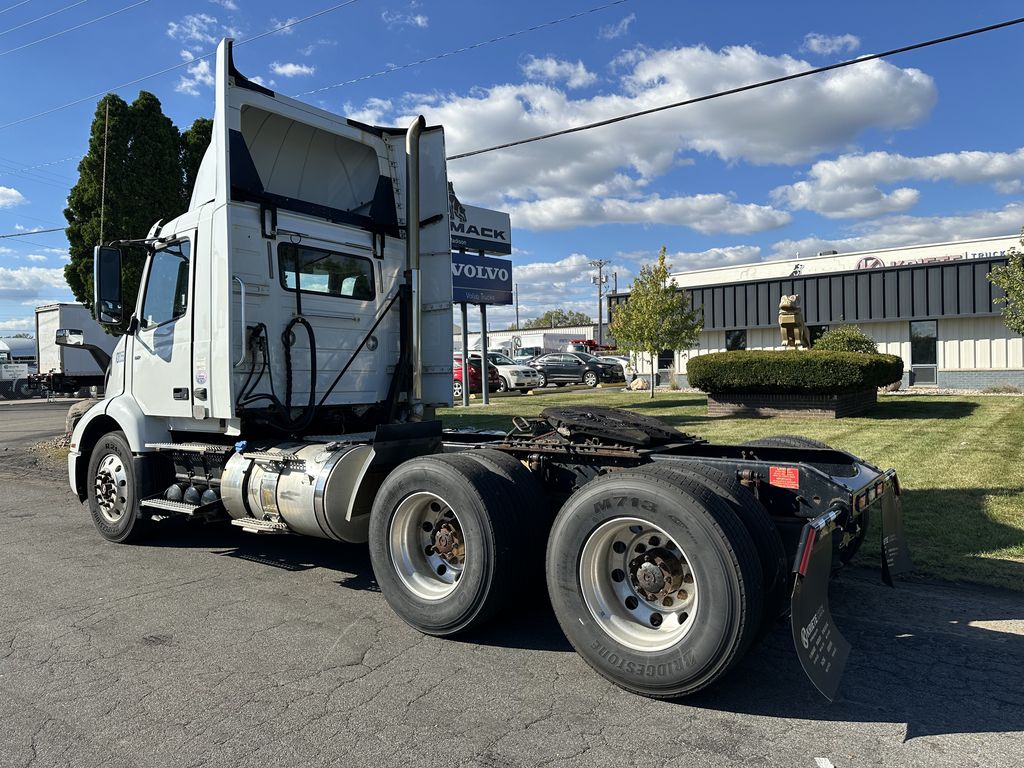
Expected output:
{"points": [[656, 316], [194, 142], [150, 169]]}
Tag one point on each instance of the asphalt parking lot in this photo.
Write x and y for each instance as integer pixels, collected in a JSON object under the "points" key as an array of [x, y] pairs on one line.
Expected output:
{"points": [[212, 647]]}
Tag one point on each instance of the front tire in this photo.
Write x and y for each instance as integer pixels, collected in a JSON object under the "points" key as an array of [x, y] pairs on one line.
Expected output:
{"points": [[502, 384], [442, 531], [457, 389], [114, 491], [654, 581], [542, 380], [590, 379]]}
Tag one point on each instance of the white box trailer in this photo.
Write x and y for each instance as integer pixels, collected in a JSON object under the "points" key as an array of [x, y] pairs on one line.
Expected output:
{"points": [[64, 368]]}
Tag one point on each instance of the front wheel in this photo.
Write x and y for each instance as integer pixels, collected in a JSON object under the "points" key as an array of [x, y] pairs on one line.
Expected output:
{"points": [[590, 379], [542, 380], [502, 384], [654, 581], [457, 389], [22, 390], [114, 491]]}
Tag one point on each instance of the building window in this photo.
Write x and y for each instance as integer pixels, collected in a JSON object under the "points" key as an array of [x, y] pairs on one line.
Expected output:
{"points": [[816, 332], [923, 342], [326, 272], [735, 340], [666, 359]]}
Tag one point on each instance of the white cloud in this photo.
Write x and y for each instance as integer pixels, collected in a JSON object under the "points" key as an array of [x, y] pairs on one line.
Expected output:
{"points": [[786, 124], [897, 231], [620, 28], [10, 197], [16, 324], [199, 73], [282, 26], [289, 69], [28, 282], [848, 187], [265, 83], [230, 5], [405, 19], [552, 69], [709, 214], [372, 112], [195, 28], [815, 42], [35, 257], [713, 257], [308, 50]]}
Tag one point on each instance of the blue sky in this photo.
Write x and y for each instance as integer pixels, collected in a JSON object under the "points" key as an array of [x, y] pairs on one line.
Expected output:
{"points": [[924, 147]]}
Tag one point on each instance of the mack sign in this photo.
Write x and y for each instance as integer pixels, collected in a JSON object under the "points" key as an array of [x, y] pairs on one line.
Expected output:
{"points": [[481, 280]]}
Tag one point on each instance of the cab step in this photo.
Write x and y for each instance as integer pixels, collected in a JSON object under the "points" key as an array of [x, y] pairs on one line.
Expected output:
{"points": [[211, 510], [252, 525]]}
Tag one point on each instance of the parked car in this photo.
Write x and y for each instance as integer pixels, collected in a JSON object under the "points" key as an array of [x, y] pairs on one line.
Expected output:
{"points": [[473, 379], [576, 368], [628, 372], [511, 375]]}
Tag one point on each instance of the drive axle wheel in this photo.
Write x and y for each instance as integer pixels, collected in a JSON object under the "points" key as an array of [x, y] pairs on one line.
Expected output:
{"points": [[655, 581], [638, 585], [442, 533]]}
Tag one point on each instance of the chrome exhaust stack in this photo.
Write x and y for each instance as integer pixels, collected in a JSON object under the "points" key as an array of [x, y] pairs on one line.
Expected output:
{"points": [[412, 244]]}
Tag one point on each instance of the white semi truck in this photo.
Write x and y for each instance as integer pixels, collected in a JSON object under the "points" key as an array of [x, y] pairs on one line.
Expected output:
{"points": [[281, 370]]}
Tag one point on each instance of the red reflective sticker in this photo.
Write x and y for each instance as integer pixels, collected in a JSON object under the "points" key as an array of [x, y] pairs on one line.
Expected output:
{"points": [[784, 477]]}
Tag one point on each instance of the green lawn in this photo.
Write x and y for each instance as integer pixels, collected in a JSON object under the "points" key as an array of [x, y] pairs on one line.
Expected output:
{"points": [[960, 460]]}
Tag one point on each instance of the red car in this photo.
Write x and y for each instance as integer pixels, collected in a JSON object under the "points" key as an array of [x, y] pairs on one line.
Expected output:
{"points": [[474, 382]]}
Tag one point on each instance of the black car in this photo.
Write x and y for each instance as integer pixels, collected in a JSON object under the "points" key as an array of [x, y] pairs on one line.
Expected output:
{"points": [[575, 368]]}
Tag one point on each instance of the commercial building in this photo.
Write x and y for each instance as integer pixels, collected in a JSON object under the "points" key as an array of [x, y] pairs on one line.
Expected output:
{"points": [[931, 305]]}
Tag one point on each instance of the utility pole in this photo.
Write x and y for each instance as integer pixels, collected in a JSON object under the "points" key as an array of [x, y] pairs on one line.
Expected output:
{"points": [[615, 282], [600, 281], [517, 305]]}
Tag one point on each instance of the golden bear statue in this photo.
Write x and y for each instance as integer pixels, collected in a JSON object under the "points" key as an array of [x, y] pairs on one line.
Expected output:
{"points": [[791, 323]]}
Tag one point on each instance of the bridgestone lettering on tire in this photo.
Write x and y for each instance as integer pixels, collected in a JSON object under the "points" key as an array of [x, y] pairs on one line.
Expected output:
{"points": [[442, 536], [662, 641]]}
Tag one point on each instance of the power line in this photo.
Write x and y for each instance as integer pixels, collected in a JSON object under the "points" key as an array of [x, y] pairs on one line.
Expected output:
{"points": [[45, 16], [72, 29], [740, 89], [465, 48], [164, 71], [33, 232], [12, 7]]}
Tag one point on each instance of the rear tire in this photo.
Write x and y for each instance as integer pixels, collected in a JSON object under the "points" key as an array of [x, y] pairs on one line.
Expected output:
{"points": [[669, 626], [787, 441], [456, 575], [457, 389]]}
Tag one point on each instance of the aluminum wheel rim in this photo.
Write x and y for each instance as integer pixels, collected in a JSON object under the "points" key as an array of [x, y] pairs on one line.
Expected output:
{"points": [[113, 496], [428, 549], [637, 584], [590, 379]]}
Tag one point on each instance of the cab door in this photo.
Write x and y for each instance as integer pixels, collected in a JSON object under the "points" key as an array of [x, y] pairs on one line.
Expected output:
{"points": [[162, 347]]}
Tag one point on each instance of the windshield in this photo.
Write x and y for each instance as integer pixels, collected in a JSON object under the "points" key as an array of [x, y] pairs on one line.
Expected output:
{"points": [[585, 356], [499, 359]]}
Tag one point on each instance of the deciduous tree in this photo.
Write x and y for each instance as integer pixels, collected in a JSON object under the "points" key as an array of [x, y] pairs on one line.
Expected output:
{"points": [[656, 316], [556, 318], [1010, 278]]}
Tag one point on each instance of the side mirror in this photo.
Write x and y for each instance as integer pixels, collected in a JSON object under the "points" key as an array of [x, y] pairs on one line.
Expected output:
{"points": [[69, 337], [107, 305]]}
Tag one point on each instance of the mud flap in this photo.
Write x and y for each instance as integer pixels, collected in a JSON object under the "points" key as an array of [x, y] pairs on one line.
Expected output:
{"points": [[822, 650], [895, 553]]}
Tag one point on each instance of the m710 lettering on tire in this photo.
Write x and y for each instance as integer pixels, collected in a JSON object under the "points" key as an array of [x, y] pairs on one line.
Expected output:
{"points": [[624, 502]]}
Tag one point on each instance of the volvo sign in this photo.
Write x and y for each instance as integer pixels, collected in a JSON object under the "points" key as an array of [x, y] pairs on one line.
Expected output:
{"points": [[481, 280]]}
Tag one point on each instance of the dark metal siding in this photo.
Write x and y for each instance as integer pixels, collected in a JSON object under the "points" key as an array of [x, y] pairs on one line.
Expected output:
{"points": [[894, 293]]}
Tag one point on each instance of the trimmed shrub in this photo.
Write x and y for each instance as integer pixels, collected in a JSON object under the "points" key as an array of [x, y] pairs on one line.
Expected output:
{"points": [[810, 372], [846, 338]]}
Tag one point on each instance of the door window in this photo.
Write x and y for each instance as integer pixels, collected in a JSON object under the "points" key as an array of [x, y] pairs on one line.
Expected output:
{"points": [[167, 285]]}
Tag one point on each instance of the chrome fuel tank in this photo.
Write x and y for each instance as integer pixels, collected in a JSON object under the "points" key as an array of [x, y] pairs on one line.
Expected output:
{"points": [[311, 487]]}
